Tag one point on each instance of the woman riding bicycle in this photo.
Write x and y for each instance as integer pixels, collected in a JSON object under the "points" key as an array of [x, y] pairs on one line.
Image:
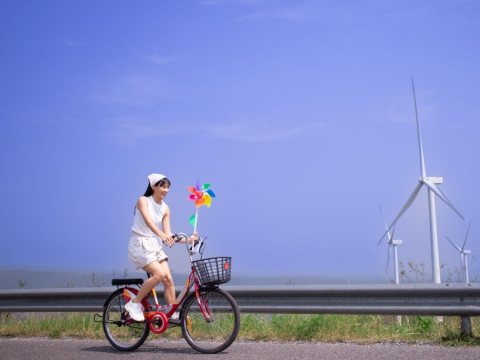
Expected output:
{"points": [[144, 251]]}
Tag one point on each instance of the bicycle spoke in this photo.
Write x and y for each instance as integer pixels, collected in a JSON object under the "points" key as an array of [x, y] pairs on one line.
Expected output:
{"points": [[218, 333], [122, 335]]}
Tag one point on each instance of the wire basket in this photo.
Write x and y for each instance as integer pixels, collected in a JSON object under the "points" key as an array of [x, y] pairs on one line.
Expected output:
{"points": [[213, 271]]}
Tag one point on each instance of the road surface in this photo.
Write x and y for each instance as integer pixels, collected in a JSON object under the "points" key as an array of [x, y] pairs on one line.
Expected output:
{"points": [[38, 348]]}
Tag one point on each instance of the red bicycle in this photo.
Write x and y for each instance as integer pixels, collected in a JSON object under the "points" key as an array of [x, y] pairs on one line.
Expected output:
{"points": [[208, 316]]}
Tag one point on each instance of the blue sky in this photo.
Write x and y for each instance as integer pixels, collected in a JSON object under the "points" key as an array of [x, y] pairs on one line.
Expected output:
{"points": [[300, 114]]}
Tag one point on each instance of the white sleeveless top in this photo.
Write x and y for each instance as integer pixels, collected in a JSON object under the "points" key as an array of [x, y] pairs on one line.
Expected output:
{"points": [[156, 211]]}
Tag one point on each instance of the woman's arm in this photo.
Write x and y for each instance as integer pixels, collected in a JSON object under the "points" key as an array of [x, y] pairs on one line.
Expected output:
{"points": [[166, 221], [142, 206], [167, 229]]}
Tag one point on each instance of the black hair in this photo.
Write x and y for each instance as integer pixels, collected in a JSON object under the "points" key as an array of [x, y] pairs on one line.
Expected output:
{"points": [[163, 182], [149, 191]]}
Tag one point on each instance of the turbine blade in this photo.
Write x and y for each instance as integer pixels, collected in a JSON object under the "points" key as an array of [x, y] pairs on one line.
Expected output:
{"points": [[388, 257], [393, 230], [439, 193], [386, 227], [456, 246], [405, 207], [463, 247], [422, 160]]}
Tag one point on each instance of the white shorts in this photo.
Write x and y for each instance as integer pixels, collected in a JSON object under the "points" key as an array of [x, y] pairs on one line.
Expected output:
{"points": [[142, 250]]}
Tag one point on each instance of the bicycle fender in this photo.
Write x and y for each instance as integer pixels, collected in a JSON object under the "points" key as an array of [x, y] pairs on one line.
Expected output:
{"points": [[129, 293], [119, 291]]}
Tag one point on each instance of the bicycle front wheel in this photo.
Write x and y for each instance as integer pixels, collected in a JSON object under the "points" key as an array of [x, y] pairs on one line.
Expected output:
{"points": [[119, 330], [216, 327]]}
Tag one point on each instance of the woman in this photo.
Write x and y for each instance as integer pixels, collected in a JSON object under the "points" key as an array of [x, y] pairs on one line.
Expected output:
{"points": [[144, 250]]}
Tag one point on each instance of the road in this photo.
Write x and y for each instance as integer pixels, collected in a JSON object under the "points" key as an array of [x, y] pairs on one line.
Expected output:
{"points": [[36, 348]]}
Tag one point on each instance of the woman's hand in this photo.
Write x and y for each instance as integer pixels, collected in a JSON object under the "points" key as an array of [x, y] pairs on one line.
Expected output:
{"points": [[167, 239], [192, 238]]}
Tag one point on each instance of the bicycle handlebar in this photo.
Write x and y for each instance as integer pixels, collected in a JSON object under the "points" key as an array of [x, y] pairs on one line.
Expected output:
{"points": [[194, 248]]}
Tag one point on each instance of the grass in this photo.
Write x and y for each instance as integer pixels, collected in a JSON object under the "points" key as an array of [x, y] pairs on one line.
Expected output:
{"points": [[362, 329]]}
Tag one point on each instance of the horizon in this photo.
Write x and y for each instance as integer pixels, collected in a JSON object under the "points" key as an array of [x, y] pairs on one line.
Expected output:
{"points": [[43, 278]]}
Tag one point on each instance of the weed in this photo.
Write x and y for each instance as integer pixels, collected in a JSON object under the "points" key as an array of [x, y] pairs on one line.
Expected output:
{"points": [[423, 323], [22, 283], [457, 339], [95, 280]]}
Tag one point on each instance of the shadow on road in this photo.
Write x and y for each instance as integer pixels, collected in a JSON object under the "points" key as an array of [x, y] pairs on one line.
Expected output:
{"points": [[150, 349]]}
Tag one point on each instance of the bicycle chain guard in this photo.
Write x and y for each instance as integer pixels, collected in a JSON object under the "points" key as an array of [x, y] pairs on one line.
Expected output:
{"points": [[157, 321]]}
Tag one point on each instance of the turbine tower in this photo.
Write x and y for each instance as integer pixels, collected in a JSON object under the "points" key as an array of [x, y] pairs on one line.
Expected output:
{"points": [[392, 245], [463, 253], [430, 183]]}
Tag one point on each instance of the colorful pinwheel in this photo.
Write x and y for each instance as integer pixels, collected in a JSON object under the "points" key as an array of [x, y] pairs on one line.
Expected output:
{"points": [[202, 195]]}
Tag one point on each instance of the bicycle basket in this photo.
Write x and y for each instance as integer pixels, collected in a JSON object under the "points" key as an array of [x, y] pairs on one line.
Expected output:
{"points": [[213, 271]]}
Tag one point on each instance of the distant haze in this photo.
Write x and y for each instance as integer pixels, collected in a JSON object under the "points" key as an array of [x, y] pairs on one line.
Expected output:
{"points": [[78, 278]]}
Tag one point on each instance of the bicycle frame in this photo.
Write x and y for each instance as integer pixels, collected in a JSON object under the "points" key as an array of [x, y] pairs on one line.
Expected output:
{"points": [[164, 312], [168, 310]]}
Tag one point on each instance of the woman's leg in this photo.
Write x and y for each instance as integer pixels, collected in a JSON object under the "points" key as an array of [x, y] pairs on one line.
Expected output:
{"points": [[159, 274], [168, 286]]}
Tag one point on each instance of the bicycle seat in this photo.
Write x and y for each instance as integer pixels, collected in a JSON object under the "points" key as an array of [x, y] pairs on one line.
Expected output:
{"points": [[127, 281]]}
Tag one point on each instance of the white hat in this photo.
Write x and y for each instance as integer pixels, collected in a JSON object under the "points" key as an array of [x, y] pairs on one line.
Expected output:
{"points": [[154, 178]]}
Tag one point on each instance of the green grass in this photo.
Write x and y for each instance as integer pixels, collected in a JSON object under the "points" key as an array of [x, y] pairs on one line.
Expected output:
{"points": [[363, 329], [356, 328]]}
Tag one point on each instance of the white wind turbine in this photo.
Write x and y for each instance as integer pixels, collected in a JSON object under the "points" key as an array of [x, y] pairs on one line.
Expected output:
{"points": [[433, 190], [392, 245], [463, 253]]}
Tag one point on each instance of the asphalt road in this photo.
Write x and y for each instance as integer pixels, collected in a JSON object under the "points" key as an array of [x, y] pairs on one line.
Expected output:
{"points": [[36, 348]]}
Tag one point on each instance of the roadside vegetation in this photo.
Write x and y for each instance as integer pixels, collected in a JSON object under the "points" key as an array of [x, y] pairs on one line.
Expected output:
{"points": [[364, 329]]}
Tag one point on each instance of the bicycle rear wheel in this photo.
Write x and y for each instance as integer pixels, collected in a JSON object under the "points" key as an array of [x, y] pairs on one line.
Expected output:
{"points": [[221, 331], [122, 333]]}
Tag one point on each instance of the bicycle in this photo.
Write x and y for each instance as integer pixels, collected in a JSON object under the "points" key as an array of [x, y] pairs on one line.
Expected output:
{"points": [[209, 317]]}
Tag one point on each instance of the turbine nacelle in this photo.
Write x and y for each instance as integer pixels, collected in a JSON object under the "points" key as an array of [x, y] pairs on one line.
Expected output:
{"points": [[432, 179], [430, 183]]}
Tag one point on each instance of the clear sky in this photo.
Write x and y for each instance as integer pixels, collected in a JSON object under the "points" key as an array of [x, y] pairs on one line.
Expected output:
{"points": [[299, 113]]}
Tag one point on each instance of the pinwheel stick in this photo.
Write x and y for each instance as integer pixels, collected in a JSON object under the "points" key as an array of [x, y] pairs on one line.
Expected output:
{"points": [[196, 218]]}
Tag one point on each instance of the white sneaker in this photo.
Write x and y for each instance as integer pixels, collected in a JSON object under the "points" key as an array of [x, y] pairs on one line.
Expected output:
{"points": [[175, 315], [135, 310]]}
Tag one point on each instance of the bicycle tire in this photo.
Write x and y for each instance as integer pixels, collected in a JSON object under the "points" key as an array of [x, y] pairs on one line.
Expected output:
{"points": [[217, 335], [122, 335]]}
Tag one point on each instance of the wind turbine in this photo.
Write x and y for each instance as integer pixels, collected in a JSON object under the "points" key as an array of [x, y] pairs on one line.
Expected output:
{"points": [[433, 190], [463, 253], [392, 245]]}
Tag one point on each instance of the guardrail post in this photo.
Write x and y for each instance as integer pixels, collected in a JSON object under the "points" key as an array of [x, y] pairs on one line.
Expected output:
{"points": [[466, 325]]}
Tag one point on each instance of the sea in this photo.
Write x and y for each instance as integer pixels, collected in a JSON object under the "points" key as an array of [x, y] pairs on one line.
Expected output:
{"points": [[48, 278]]}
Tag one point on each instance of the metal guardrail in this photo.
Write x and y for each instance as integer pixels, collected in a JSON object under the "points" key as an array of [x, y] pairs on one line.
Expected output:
{"points": [[407, 299]]}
